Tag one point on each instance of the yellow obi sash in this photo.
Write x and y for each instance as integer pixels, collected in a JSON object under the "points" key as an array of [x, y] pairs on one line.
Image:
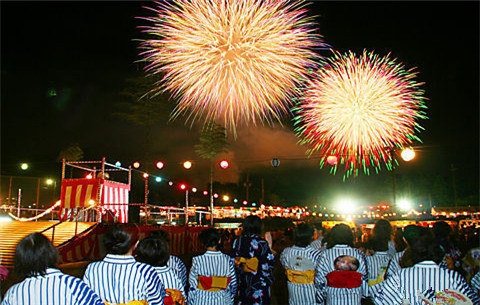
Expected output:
{"points": [[130, 303], [213, 283], [300, 277], [174, 297], [248, 264], [380, 278]]}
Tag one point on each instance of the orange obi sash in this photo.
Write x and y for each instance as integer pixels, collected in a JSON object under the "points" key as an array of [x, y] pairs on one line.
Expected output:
{"points": [[213, 283], [247, 264], [130, 303], [300, 277], [174, 297]]}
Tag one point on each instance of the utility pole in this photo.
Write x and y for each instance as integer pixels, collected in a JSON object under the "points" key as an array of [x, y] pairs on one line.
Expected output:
{"points": [[247, 185], [186, 207], [19, 201], [263, 191], [453, 169]]}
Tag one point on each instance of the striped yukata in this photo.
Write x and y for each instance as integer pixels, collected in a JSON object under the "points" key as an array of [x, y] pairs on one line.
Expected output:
{"points": [[179, 268], [170, 279], [317, 244], [398, 256], [378, 262], [121, 279], [425, 278], [212, 263], [475, 283], [53, 288], [300, 259], [340, 296]]}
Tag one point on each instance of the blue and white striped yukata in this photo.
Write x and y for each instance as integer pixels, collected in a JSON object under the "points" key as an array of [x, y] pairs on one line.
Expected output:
{"points": [[53, 288], [378, 263], [425, 278], [300, 259], [317, 244], [212, 263], [121, 279], [475, 283], [340, 296], [179, 268], [170, 279], [398, 256]]}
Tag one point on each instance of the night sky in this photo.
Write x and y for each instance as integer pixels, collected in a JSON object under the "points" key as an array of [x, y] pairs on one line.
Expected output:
{"points": [[85, 51]]}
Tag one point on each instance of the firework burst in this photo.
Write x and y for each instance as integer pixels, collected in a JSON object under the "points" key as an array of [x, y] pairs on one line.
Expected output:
{"points": [[235, 61], [360, 109]]}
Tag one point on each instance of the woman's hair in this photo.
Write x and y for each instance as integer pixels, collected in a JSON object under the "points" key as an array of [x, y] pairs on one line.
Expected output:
{"points": [[400, 244], [33, 255], [303, 235], [252, 225], [411, 232], [117, 241], [382, 230], [377, 244], [209, 237], [425, 248], [159, 234], [340, 234], [153, 251], [442, 229]]}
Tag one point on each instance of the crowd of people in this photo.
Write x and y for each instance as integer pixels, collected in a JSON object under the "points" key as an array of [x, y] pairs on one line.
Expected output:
{"points": [[412, 265]]}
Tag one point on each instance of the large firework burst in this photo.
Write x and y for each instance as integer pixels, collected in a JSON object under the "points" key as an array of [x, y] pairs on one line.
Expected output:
{"points": [[231, 60], [360, 109]]}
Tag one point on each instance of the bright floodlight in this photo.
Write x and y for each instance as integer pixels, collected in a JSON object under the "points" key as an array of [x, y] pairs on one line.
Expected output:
{"points": [[224, 164], [49, 181], [346, 205], [187, 164], [404, 205], [24, 166], [408, 154]]}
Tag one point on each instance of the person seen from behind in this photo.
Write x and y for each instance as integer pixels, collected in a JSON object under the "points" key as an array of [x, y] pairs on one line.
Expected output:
{"points": [[119, 278], [300, 262], [42, 283], [155, 252], [424, 282], [212, 276], [254, 263]]}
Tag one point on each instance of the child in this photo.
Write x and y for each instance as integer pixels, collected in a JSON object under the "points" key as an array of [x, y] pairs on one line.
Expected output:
{"points": [[300, 262], [155, 252], [212, 276], [174, 262]]}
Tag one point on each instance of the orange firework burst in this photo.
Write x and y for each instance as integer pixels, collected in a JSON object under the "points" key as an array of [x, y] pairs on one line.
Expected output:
{"points": [[360, 109], [231, 60]]}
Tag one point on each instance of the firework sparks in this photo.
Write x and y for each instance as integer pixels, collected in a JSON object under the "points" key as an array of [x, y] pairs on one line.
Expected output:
{"points": [[360, 109], [231, 60]]}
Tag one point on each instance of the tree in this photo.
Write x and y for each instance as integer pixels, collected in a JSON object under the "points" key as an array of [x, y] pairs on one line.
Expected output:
{"points": [[213, 141], [144, 106], [73, 152]]}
